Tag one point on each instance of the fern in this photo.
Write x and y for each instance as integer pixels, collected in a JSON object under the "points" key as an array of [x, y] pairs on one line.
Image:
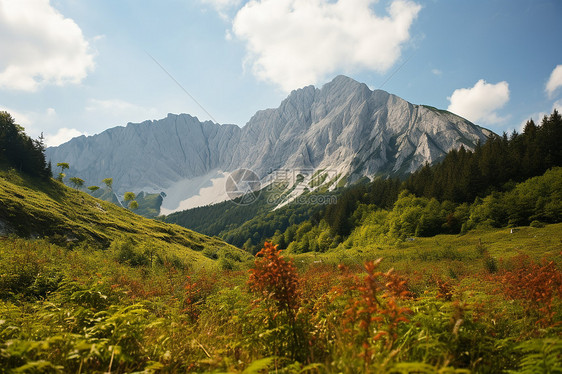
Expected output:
{"points": [[541, 356], [422, 368], [257, 366], [40, 366]]}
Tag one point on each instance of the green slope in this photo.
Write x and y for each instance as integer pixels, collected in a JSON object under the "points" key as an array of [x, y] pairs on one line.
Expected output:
{"points": [[451, 255], [37, 208]]}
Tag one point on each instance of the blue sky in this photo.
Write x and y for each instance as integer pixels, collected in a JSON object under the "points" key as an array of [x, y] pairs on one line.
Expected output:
{"points": [[70, 67]]}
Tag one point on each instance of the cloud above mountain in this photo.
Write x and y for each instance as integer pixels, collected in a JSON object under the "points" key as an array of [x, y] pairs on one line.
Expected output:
{"points": [[294, 43], [40, 46], [481, 102], [555, 81], [62, 136], [120, 111]]}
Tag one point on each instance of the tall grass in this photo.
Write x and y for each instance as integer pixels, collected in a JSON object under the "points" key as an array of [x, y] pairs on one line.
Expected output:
{"points": [[441, 310]]}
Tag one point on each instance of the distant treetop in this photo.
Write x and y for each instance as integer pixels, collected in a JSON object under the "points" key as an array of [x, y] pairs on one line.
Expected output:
{"points": [[19, 151]]}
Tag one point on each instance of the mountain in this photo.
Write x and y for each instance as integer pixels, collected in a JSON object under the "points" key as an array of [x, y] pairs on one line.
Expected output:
{"points": [[343, 131]]}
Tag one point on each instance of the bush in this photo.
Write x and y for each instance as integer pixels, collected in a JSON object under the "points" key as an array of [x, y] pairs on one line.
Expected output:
{"points": [[537, 224], [211, 253], [126, 252], [277, 282], [490, 264], [24, 273], [226, 264]]}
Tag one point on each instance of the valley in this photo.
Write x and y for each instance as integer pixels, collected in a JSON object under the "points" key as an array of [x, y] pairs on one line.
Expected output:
{"points": [[485, 301], [454, 268], [280, 186]]}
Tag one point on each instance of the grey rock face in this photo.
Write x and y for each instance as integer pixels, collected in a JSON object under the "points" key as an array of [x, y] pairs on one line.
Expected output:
{"points": [[149, 155], [343, 126]]}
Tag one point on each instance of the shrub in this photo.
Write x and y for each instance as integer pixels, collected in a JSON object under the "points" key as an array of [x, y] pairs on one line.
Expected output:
{"points": [[481, 250], [226, 264], [540, 356], [277, 282], [25, 272], [126, 252], [275, 279], [537, 224], [490, 264], [211, 253], [374, 314], [537, 286]]}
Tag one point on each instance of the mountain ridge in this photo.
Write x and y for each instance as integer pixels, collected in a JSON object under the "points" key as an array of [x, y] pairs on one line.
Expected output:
{"points": [[343, 127]]}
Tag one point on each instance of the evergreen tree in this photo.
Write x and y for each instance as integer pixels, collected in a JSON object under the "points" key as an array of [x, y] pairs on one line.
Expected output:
{"points": [[19, 151]]}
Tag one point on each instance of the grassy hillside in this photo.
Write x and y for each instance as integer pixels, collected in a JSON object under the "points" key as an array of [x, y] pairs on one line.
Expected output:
{"points": [[39, 208], [452, 255], [488, 301]]}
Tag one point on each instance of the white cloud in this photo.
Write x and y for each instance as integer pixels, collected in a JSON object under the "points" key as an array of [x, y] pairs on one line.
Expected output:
{"points": [[119, 111], [223, 6], [555, 81], [557, 105], [436, 71], [480, 103], [40, 46], [62, 136], [298, 42], [19, 118]]}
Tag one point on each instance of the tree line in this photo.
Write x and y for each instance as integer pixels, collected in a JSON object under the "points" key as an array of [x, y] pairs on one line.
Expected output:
{"points": [[19, 151], [463, 175], [535, 202], [27, 155]]}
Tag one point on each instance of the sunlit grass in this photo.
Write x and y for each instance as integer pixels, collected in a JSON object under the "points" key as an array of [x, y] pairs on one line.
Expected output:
{"points": [[137, 295], [39, 208]]}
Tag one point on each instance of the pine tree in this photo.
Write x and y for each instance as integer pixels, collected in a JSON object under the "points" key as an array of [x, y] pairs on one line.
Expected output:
{"points": [[19, 151]]}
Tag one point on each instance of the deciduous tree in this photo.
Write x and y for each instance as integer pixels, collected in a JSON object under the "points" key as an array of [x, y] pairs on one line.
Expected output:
{"points": [[77, 182]]}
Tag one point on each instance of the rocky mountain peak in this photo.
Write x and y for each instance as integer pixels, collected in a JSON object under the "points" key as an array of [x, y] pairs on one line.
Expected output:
{"points": [[343, 126]]}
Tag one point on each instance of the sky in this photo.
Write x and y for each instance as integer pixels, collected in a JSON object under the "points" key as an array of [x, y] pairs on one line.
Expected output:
{"points": [[73, 67]]}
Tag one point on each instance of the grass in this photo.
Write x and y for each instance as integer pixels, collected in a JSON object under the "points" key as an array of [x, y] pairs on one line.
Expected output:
{"points": [[138, 295], [451, 256], [37, 208], [441, 310], [535, 242]]}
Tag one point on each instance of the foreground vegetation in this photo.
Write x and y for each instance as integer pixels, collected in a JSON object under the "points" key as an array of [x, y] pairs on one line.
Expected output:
{"points": [[487, 301]]}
